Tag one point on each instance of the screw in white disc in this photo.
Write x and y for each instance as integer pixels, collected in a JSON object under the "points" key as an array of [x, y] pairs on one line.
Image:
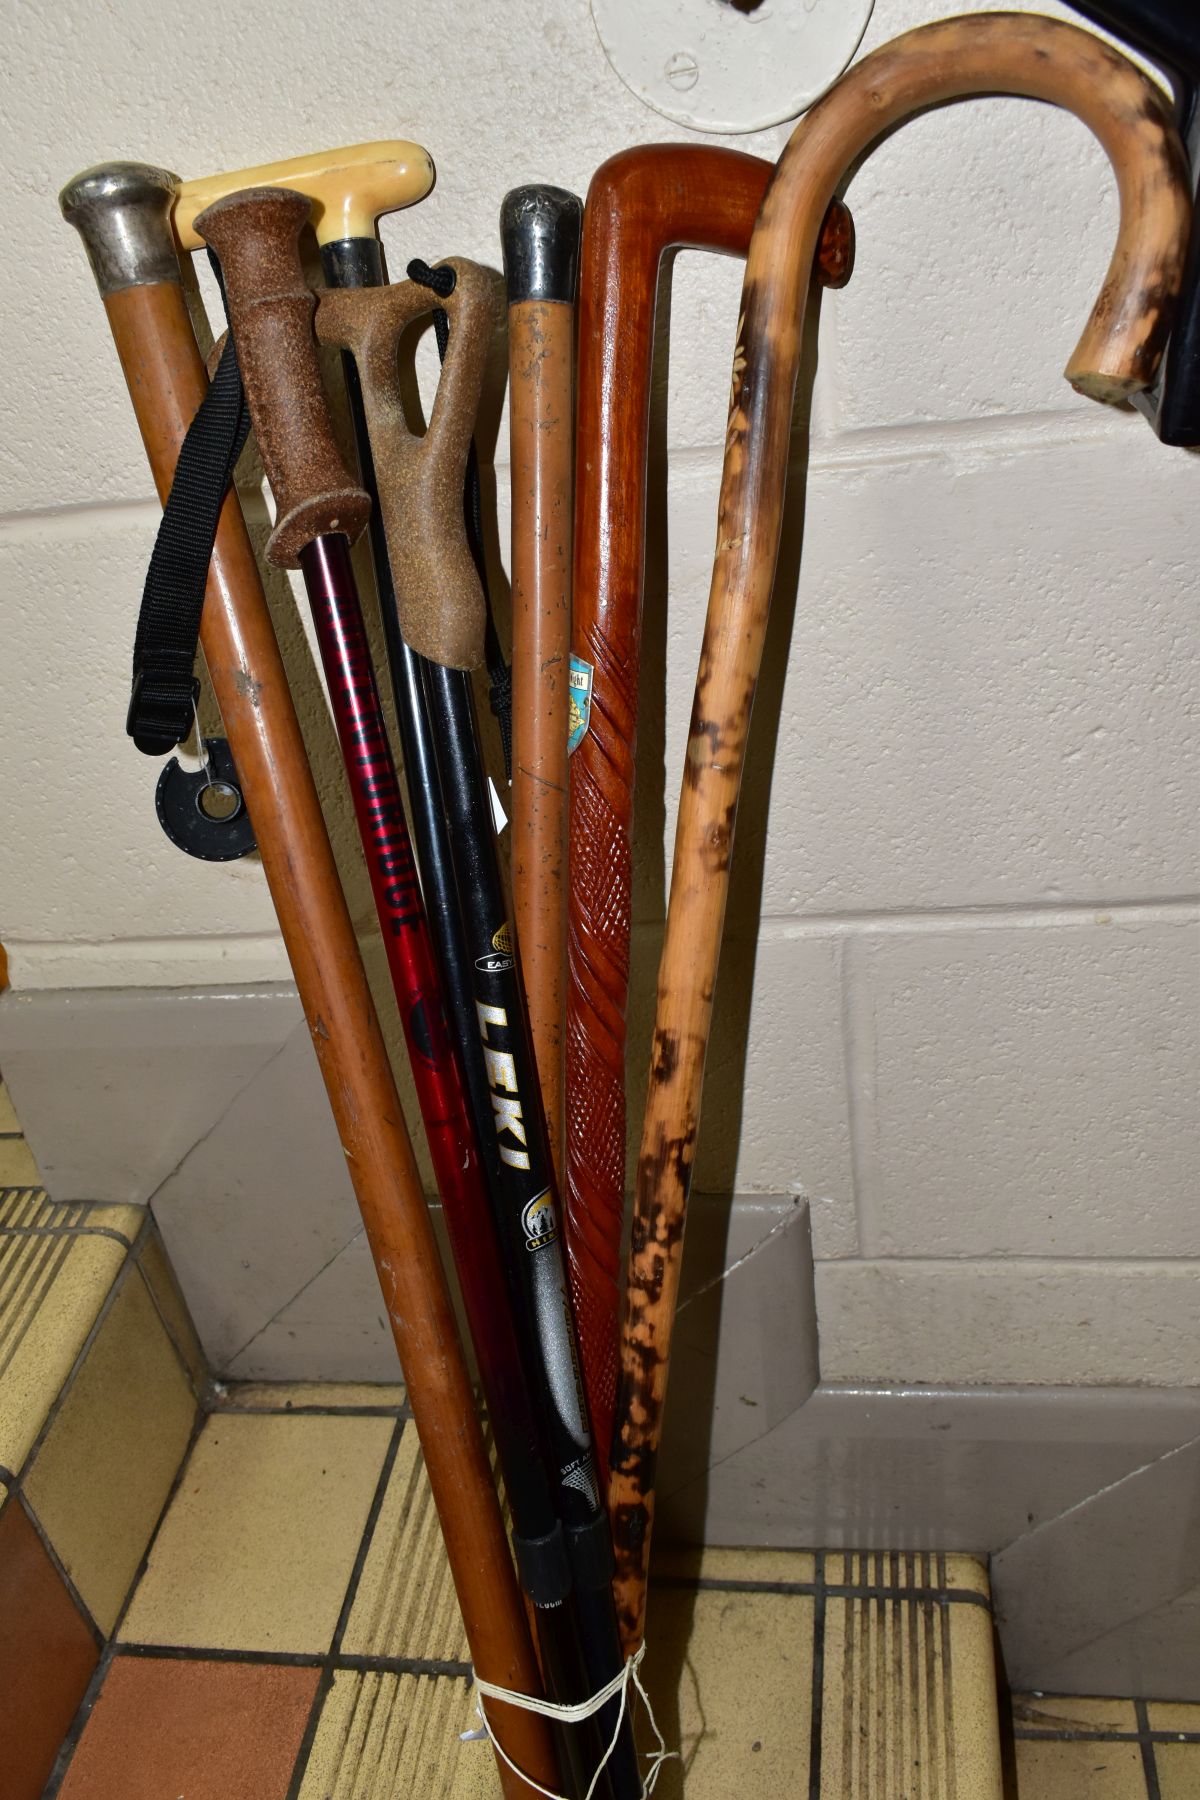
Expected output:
{"points": [[730, 65]]}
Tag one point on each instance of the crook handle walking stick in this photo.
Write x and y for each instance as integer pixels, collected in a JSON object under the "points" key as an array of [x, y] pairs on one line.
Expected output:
{"points": [[255, 234], [640, 204], [1117, 354], [494, 1032], [539, 229], [123, 215]]}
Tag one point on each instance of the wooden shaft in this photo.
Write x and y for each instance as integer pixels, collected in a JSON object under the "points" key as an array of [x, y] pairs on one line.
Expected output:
{"points": [[640, 204], [166, 382], [540, 230], [541, 357], [1019, 54]]}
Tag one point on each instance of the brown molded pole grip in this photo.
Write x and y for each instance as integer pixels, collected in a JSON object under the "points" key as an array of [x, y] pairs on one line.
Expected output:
{"points": [[1016, 53], [439, 600], [256, 237]]}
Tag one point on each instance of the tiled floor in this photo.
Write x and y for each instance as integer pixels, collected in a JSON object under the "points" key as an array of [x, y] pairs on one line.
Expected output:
{"points": [[1071, 1749], [241, 1594]]}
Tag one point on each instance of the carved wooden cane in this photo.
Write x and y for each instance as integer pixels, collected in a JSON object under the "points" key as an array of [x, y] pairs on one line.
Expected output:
{"points": [[641, 203], [123, 213], [539, 230], [1118, 353]]}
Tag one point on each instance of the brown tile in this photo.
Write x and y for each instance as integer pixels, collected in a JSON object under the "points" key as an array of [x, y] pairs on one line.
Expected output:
{"points": [[102, 1476], [1178, 1771], [47, 1656], [210, 1731], [1049, 1771], [17, 1167]]}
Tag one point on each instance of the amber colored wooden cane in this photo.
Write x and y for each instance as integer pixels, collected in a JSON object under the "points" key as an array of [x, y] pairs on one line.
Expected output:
{"points": [[640, 204], [1006, 53], [123, 213], [539, 231]]}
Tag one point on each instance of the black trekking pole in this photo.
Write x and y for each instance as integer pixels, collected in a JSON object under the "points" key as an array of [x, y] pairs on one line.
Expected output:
{"points": [[469, 915]]}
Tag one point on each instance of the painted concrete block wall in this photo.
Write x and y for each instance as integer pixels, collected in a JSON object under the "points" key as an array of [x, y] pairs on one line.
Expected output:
{"points": [[959, 1005]]}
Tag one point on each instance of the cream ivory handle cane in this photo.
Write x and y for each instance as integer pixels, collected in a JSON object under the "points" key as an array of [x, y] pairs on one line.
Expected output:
{"points": [[349, 188]]}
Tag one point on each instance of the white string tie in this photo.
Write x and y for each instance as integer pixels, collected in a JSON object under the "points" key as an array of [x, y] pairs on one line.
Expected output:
{"points": [[575, 1714]]}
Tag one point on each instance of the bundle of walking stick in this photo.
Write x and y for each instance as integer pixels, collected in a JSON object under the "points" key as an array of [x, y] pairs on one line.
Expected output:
{"points": [[515, 1018]]}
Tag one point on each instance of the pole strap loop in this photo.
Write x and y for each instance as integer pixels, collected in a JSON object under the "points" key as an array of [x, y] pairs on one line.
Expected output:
{"points": [[165, 688]]}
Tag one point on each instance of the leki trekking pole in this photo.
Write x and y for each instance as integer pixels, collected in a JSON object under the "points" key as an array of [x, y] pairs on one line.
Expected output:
{"points": [[488, 1010], [640, 204], [1118, 353], [123, 213]]}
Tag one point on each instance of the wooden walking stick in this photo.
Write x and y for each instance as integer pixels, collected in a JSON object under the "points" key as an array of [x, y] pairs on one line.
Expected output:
{"points": [[123, 213], [1007, 53], [539, 230], [640, 204]]}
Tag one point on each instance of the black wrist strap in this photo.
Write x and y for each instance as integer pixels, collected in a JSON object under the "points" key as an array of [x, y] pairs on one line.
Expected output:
{"points": [[168, 627], [441, 281]]}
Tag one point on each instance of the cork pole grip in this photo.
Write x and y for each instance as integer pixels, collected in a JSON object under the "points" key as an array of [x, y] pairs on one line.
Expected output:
{"points": [[122, 212], [256, 236], [1120, 346], [540, 231], [439, 600], [640, 204]]}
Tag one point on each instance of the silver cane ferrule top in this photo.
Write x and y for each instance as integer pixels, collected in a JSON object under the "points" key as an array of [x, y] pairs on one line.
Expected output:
{"points": [[122, 211]]}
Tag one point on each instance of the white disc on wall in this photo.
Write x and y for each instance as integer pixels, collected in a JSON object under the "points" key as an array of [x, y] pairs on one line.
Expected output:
{"points": [[730, 65]]}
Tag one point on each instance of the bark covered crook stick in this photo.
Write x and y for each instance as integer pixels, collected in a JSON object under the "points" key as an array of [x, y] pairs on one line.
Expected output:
{"points": [[1008, 53], [256, 236], [640, 204], [539, 229]]}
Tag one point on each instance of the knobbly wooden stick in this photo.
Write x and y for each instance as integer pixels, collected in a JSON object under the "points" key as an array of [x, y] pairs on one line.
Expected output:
{"points": [[640, 204], [123, 212], [1118, 352]]}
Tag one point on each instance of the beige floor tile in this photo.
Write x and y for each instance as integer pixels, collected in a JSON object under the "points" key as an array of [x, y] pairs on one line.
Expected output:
{"points": [[126, 1221], [1168, 1715], [1067, 1712], [8, 1117], [51, 1290], [164, 1290], [1178, 1771], [690, 1562], [398, 1734], [1049, 1771], [909, 1701], [730, 1677], [17, 1167], [329, 1396], [101, 1477], [406, 1604], [260, 1540]]}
